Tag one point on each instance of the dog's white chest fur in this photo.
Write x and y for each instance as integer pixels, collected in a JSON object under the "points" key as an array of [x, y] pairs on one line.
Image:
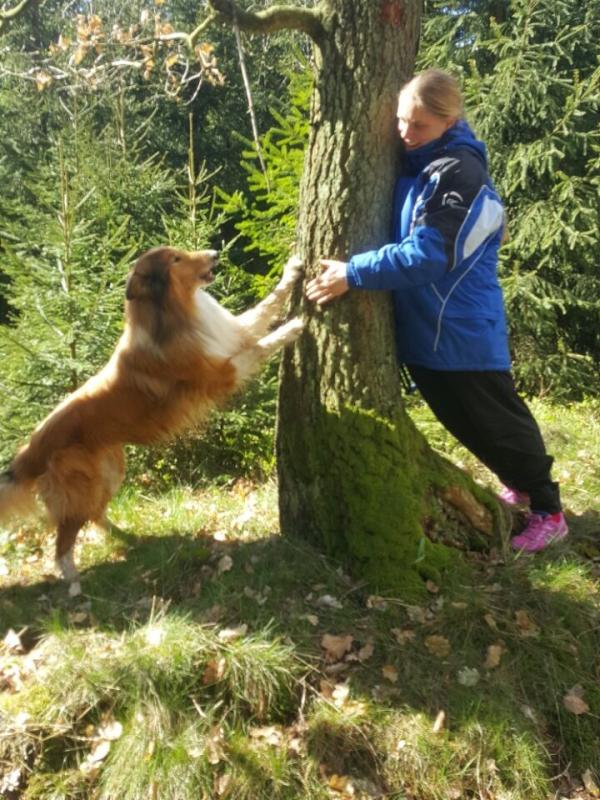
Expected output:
{"points": [[219, 331]]}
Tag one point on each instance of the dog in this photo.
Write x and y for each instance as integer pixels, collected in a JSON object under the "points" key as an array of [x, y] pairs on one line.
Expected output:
{"points": [[181, 354]]}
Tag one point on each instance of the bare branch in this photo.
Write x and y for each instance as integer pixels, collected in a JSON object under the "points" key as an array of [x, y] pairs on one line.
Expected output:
{"points": [[11, 13], [271, 19]]}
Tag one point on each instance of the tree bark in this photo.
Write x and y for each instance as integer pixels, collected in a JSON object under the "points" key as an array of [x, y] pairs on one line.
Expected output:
{"points": [[355, 476]]}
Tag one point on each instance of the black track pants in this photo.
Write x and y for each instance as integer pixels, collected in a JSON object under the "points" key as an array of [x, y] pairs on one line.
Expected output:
{"points": [[485, 413]]}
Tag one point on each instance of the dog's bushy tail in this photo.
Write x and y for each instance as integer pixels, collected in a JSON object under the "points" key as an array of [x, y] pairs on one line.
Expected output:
{"points": [[16, 496]]}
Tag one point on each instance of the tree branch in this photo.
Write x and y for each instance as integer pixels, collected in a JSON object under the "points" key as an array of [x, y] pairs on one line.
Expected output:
{"points": [[271, 19], [11, 13]]}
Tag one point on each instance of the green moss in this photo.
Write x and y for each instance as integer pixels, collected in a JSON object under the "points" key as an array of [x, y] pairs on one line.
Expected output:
{"points": [[372, 495]]}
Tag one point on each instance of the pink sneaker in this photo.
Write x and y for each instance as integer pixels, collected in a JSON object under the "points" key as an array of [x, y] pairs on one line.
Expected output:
{"points": [[513, 497], [540, 532]]}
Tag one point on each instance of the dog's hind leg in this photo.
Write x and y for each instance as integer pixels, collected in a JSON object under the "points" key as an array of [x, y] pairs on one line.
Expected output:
{"points": [[256, 321], [65, 542]]}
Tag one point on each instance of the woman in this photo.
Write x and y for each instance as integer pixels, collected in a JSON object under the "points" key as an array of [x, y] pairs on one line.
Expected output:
{"points": [[441, 268]]}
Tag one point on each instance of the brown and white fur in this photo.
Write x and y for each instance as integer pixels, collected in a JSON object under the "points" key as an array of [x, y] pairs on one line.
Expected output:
{"points": [[181, 353]]}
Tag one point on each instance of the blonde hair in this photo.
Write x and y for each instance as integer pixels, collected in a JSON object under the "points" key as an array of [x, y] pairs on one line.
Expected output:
{"points": [[437, 92]]}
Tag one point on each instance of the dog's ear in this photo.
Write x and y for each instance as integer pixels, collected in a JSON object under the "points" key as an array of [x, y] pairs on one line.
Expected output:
{"points": [[148, 279]]}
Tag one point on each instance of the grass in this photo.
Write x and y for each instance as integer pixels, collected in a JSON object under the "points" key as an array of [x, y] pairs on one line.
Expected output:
{"points": [[211, 658]]}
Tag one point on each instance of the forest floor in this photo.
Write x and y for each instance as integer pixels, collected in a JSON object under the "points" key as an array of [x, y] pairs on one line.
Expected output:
{"points": [[208, 657]]}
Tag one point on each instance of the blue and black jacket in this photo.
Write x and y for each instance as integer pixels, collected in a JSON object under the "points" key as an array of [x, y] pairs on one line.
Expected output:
{"points": [[442, 263]]}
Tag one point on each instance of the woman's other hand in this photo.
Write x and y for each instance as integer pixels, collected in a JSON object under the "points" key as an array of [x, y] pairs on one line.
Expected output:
{"points": [[329, 284]]}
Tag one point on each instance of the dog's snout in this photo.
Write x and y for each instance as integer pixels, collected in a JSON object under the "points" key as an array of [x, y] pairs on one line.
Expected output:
{"points": [[204, 255]]}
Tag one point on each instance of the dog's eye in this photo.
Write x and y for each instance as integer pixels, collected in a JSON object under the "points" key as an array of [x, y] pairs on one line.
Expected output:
{"points": [[175, 259]]}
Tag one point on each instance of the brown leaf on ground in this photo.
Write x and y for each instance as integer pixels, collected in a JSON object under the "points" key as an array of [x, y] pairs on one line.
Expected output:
{"points": [[214, 671], [377, 602], [493, 656], [527, 627], [438, 645], [270, 734], [590, 784], [336, 646], [573, 701], [491, 621], [417, 614], [403, 635], [390, 673]]}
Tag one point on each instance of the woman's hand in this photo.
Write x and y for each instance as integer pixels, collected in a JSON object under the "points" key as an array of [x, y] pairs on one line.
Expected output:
{"points": [[329, 284]]}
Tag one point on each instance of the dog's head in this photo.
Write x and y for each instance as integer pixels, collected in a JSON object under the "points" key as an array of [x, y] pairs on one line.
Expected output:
{"points": [[165, 273]]}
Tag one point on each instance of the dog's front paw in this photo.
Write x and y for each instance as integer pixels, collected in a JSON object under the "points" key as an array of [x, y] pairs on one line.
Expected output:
{"points": [[292, 269], [292, 329]]}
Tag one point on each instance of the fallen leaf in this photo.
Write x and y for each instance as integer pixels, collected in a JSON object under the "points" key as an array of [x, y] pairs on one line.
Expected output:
{"points": [[491, 621], [432, 587], [214, 671], [529, 713], [21, 719], [11, 781], [437, 645], [340, 694], [215, 746], [526, 625], [269, 734], [440, 722], [336, 646], [573, 701], [366, 652], [329, 601], [416, 614], [403, 635], [229, 634], [590, 784], [390, 673], [222, 784], [341, 784], [110, 731], [377, 602], [312, 618], [12, 642], [493, 656], [224, 564], [468, 676], [326, 688], [76, 617]]}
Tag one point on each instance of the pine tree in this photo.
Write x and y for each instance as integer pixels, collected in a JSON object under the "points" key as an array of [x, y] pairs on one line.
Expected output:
{"points": [[67, 242]]}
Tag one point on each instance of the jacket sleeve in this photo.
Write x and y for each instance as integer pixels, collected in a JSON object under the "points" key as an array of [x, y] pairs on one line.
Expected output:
{"points": [[428, 252]]}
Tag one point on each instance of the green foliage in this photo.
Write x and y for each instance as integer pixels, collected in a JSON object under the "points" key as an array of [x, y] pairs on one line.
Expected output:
{"points": [[532, 84], [67, 242], [268, 211]]}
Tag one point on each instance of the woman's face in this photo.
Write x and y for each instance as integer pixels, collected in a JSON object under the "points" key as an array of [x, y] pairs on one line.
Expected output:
{"points": [[418, 127]]}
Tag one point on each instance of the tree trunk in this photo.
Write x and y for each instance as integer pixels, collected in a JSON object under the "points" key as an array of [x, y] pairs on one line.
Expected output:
{"points": [[355, 476]]}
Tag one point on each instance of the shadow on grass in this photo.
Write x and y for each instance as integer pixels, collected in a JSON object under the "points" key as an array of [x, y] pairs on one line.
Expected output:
{"points": [[542, 612]]}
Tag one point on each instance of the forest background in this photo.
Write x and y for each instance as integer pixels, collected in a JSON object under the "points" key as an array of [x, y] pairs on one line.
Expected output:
{"points": [[112, 142]]}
